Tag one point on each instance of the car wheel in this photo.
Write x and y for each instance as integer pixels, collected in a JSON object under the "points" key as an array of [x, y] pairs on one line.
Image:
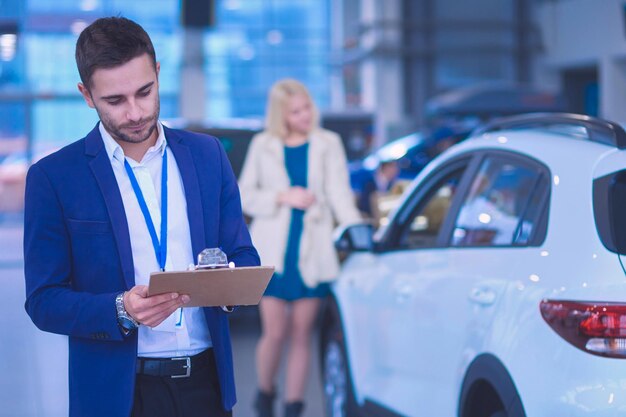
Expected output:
{"points": [[338, 394]]}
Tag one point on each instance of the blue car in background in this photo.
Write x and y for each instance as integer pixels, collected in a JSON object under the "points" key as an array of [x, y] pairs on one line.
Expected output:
{"points": [[411, 152]]}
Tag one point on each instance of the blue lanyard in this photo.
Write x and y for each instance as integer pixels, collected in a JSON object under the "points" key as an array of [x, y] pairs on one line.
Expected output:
{"points": [[160, 245]]}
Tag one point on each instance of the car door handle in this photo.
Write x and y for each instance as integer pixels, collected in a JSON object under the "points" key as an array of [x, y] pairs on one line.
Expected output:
{"points": [[482, 296]]}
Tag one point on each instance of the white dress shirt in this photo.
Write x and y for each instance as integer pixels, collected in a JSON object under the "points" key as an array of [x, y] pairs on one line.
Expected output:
{"points": [[185, 332]]}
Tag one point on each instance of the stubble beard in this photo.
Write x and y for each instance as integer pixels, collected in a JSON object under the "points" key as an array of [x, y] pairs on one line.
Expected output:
{"points": [[117, 133]]}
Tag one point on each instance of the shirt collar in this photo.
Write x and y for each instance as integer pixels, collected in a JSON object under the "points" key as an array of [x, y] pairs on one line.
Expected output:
{"points": [[115, 151]]}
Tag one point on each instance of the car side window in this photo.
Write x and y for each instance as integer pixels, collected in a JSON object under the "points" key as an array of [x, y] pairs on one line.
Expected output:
{"points": [[502, 206], [422, 227]]}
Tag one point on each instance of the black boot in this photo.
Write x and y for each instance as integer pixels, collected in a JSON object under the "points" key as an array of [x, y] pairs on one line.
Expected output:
{"points": [[294, 409], [264, 404]]}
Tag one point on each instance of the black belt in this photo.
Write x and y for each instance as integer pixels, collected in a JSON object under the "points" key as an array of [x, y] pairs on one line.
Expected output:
{"points": [[179, 367]]}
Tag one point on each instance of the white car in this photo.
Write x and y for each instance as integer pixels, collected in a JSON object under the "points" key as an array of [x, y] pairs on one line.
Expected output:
{"points": [[497, 289]]}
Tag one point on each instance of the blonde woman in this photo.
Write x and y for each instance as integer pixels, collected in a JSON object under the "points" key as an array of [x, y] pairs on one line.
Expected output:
{"points": [[294, 184]]}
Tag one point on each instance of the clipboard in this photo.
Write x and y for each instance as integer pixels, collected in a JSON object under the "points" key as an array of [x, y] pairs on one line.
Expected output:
{"points": [[214, 287]]}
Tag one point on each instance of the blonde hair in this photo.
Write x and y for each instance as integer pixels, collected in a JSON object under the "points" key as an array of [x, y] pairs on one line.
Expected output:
{"points": [[281, 91]]}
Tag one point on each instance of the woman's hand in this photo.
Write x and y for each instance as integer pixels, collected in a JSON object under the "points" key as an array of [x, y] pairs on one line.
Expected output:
{"points": [[297, 197]]}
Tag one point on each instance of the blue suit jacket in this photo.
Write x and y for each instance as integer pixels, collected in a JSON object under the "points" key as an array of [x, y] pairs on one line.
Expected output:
{"points": [[77, 257]]}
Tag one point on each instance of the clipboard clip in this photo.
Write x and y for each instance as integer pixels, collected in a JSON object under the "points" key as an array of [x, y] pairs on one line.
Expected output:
{"points": [[212, 258]]}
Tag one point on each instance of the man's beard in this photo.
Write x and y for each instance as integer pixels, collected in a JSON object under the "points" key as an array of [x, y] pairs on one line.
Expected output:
{"points": [[118, 134]]}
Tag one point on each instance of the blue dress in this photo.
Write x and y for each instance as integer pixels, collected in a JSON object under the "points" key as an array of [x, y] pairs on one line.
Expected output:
{"points": [[289, 285]]}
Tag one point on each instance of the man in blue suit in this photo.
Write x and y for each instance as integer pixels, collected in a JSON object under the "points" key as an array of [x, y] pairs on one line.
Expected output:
{"points": [[131, 198]]}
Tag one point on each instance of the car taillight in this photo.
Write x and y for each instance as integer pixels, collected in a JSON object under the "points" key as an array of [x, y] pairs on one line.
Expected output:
{"points": [[596, 328]]}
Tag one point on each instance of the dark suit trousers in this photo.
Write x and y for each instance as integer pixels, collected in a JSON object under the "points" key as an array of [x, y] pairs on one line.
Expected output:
{"points": [[195, 396]]}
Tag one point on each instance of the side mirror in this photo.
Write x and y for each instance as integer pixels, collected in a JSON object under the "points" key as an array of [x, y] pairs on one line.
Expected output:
{"points": [[355, 238]]}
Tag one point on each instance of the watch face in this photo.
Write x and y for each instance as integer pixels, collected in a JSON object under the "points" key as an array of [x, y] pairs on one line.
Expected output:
{"points": [[127, 323]]}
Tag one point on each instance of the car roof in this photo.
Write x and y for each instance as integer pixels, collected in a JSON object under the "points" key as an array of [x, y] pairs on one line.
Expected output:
{"points": [[552, 149]]}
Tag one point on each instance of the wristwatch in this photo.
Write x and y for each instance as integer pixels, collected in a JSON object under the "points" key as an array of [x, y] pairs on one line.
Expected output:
{"points": [[126, 322]]}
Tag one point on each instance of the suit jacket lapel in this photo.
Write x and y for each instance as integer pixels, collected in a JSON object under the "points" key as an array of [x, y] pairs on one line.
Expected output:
{"points": [[103, 172], [187, 168]]}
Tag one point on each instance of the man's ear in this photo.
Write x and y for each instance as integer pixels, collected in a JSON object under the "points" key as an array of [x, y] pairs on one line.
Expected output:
{"points": [[158, 69], [86, 95]]}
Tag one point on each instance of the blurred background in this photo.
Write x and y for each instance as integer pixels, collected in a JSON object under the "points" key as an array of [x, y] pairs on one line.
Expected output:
{"points": [[400, 80]]}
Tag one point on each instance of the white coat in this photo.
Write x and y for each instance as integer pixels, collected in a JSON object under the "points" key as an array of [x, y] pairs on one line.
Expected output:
{"points": [[264, 176]]}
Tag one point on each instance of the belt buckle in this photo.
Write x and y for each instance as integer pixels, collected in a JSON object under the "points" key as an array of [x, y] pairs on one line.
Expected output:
{"points": [[187, 367]]}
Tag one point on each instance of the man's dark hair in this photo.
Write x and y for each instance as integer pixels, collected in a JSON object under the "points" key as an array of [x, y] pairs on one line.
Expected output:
{"points": [[110, 42]]}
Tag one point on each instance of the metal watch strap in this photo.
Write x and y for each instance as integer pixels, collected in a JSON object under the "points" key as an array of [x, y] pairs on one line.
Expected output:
{"points": [[122, 315]]}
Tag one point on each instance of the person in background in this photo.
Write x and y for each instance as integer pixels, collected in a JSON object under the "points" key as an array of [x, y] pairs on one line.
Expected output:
{"points": [[380, 183], [131, 198], [295, 187]]}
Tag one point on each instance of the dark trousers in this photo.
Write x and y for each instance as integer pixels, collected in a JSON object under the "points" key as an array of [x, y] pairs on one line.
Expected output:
{"points": [[195, 396]]}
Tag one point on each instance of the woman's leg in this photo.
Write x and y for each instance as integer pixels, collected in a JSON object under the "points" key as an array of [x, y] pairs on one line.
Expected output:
{"points": [[303, 315], [274, 326]]}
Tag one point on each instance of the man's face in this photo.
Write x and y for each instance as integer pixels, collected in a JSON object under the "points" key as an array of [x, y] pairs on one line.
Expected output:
{"points": [[126, 99], [390, 170]]}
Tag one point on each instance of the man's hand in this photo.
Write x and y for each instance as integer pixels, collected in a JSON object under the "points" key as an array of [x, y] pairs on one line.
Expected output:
{"points": [[297, 197], [151, 311]]}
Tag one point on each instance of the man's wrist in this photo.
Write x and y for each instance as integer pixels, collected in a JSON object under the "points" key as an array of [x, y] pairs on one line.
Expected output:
{"points": [[126, 322]]}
